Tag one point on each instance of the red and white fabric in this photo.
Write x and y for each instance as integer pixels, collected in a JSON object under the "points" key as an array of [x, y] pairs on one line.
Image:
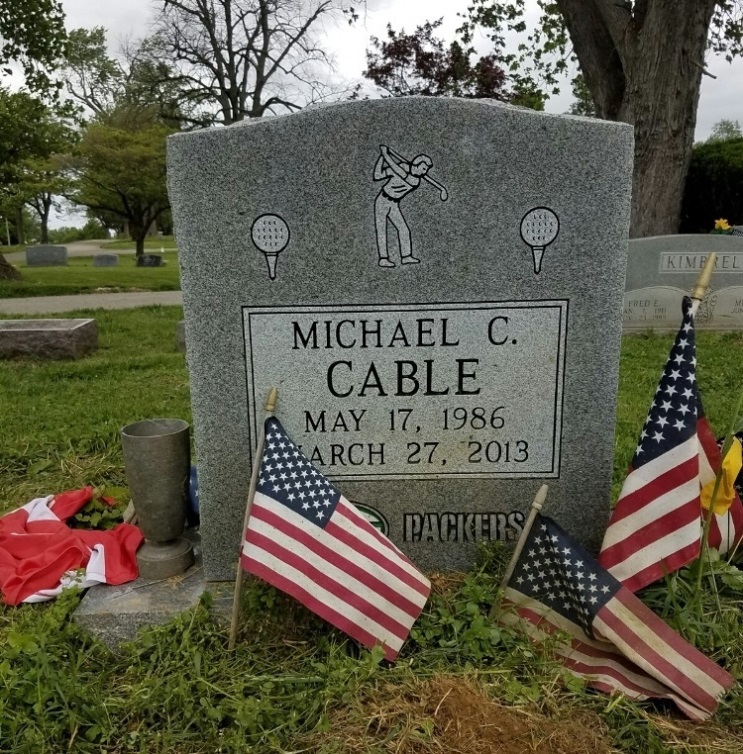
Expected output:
{"points": [[40, 555]]}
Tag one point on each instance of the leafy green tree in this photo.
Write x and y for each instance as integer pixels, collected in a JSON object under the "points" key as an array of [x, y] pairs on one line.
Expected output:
{"points": [[21, 141], [32, 34], [643, 62], [583, 104], [118, 169], [714, 185]]}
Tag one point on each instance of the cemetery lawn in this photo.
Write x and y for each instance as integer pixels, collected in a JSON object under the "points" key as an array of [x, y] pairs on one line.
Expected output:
{"points": [[81, 277], [462, 684]]}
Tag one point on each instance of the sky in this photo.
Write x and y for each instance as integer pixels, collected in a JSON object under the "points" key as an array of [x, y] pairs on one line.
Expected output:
{"points": [[130, 19]]}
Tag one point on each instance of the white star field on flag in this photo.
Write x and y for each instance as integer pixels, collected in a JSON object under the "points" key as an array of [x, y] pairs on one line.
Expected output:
{"points": [[289, 478], [673, 413], [553, 570]]}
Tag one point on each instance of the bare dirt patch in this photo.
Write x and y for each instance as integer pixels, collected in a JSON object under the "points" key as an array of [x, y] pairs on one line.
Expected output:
{"points": [[455, 716]]}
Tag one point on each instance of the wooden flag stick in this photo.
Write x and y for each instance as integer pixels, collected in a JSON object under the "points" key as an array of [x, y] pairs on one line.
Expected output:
{"points": [[536, 506], [257, 460], [699, 291]]}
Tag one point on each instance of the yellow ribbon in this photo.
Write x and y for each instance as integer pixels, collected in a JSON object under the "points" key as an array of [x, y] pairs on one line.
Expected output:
{"points": [[731, 467]]}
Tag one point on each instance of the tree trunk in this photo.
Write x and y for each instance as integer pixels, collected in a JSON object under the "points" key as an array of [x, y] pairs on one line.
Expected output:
{"points": [[46, 206], [19, 231], [7, 271], [643, 65], [139, 240], [661, 97]]}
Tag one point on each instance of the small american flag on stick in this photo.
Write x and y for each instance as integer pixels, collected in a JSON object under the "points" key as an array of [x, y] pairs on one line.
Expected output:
{"points": [[306, 539], [614, 641], [656, 526]]}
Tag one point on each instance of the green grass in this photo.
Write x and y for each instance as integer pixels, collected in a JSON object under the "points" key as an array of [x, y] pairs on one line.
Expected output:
{"points": [[292, 684], [150, 244], [81, 277]]}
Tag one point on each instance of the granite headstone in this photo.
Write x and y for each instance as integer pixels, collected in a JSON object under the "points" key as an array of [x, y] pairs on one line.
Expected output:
{"points": [[46, 256], [106, 260], [425, 282], [149, 260], [661, 270]]}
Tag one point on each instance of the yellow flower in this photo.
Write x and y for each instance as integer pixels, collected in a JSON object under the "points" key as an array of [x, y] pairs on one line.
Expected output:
{"points": [[722, 224], [731, 466]]}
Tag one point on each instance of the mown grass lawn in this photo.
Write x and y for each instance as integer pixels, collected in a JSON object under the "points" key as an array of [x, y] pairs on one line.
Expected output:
{"points": [[462, 684], [81, 277]]}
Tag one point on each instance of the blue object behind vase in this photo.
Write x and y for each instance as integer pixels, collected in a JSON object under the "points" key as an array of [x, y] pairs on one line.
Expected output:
{"points": [[193, 498]]}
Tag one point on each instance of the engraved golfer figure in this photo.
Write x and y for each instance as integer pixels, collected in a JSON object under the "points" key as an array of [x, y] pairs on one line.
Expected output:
{"points": [[403, 177]]}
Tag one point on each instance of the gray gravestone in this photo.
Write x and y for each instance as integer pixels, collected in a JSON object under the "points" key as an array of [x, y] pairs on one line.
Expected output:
{"points": [[663, 269], [425, 282], [48, 338], [150, 260], [180, 335], [106, 260], [46, 256]]}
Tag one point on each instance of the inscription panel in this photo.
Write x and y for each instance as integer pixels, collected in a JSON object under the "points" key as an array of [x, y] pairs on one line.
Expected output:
{"points": [[726, 262], [415, 391]]}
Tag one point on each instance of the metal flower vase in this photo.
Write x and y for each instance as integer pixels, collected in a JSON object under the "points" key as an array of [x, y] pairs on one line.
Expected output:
{"points": [[157, 460]]}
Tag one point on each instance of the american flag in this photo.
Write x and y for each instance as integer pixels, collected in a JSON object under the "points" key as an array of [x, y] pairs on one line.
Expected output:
{"points": [[655, 527], [614, 641], [305, 538]]}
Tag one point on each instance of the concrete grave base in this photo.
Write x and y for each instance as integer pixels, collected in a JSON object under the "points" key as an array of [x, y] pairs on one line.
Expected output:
{"points": [[115, 614], [48, 338]]}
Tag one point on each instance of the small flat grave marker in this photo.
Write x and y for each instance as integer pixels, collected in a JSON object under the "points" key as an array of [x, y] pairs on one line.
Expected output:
{"points": [[48, 338]]}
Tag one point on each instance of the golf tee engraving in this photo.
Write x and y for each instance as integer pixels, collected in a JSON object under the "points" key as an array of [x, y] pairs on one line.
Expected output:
{"points": [[270, 234], [539, 228], [402, 177]]}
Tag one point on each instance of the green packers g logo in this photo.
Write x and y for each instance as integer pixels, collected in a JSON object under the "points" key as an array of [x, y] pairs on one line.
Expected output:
{"points": [[374, 517]]}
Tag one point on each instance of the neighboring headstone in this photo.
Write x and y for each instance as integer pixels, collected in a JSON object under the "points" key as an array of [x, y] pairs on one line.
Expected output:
{"points": [[661, 270], [439, 313], [180, 335], [106, 260], [149, 260], [46, 256], [48, 338]]}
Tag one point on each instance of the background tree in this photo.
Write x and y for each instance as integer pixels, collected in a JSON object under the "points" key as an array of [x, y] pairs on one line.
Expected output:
{"points": [[583, 104], [724, 130], [22, 140], [140, 76], [32, 34], [714, 185], [642, 61], [118, 169], [421, 63], [246, 58]]}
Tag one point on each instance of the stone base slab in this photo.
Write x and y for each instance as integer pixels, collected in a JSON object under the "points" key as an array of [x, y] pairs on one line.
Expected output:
{"points": [[115, 614], [48, 338]]}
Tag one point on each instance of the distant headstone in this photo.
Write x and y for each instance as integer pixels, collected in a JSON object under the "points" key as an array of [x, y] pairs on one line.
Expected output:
{"points": [[425, 282], [149, 260], [663, 269], [106, 260], [48, 338], [46, 256], [180, 335]]}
